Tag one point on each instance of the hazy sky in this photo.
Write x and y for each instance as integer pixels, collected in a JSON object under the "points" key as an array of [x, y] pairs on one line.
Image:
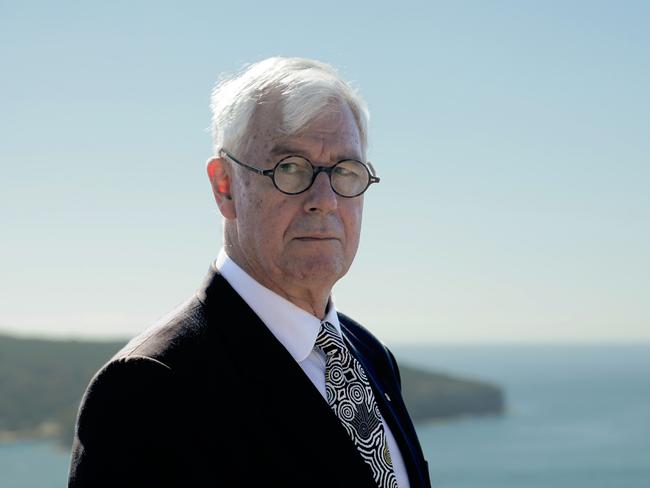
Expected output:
{"points": [[512, 138]]}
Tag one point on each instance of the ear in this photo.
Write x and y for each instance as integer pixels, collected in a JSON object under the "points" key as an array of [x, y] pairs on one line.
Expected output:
{"points": [[221, 182]]}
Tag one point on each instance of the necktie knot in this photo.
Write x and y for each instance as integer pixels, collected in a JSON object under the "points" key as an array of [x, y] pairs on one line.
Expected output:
{"points": [[329, 340]]}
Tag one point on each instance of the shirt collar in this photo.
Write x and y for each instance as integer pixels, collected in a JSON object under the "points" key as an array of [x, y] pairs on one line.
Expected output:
{"points": [[295, 328]]}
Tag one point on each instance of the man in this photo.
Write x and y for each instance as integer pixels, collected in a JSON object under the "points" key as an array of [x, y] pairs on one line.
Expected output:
{"points": [[257, 380]]}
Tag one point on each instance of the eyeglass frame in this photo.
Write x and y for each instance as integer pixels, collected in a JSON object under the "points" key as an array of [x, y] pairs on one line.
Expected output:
{"points": [[315, 171]]}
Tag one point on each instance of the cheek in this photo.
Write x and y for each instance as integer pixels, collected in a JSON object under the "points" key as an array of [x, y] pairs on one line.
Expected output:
{"points": [[356, 213], [353, 224], [250, 216], [269, 221]]}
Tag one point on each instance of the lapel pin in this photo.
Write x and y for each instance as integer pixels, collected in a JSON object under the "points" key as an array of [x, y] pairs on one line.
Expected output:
{"points": [[387, 397]]}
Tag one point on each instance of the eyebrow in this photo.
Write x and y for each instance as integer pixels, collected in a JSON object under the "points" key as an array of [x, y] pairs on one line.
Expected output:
{"points": [[282, 149]]}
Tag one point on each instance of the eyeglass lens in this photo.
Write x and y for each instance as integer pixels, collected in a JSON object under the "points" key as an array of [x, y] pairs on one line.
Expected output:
{"points": [[294, 175]]}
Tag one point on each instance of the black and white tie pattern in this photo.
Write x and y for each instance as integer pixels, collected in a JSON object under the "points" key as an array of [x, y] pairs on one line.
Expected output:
{"points": [[351, 398]]}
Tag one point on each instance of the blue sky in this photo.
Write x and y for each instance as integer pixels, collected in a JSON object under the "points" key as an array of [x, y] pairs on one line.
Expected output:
{"points": [[511, 138]]}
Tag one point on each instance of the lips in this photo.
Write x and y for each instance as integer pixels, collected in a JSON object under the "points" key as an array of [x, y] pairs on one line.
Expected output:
{"points": [[316, 238], [307, 238]]}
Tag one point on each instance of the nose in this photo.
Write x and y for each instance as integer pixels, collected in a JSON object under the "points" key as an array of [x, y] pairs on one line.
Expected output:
{"points": [[321, 197]]}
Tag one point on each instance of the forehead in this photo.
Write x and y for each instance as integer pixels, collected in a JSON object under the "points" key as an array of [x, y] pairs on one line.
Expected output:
{"points": [[333, 134]]}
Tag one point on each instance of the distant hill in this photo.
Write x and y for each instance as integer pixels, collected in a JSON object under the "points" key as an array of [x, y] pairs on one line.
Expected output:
{"points": [[429, 395], [42, 382]]}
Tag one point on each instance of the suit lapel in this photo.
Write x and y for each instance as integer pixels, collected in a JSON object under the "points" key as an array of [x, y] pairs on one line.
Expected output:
{"points": [[287, 399], [388, 404]]}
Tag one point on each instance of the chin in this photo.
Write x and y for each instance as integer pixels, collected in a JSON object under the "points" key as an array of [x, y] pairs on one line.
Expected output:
{"points": [[318, 269]]}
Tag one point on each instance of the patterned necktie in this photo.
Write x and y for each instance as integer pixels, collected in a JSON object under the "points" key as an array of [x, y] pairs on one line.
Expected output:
{"points": [[350, 396]]}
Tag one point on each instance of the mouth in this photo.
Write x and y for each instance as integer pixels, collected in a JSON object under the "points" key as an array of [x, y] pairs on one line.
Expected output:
{"points": [[315, 239]]}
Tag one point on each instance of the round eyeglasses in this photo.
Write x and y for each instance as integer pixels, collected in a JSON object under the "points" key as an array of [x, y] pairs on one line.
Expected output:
{"points": [[295, 174]]}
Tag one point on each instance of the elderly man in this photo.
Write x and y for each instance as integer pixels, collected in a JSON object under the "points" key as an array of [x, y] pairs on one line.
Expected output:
{"points": [[258, 380]]}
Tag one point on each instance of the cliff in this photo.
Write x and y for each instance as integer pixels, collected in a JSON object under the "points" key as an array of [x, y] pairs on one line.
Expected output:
{"points": [[429, 395]]}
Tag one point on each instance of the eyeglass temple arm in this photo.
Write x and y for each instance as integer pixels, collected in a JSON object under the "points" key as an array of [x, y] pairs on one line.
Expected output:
{"points": [[263, 172], [373, 173]]}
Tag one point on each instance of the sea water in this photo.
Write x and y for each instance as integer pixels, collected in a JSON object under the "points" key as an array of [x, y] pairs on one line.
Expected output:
{"points": [[577, 416], [33, 464]]}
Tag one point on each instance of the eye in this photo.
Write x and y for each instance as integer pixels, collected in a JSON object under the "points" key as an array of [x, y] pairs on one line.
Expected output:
{"points": [[349, 169], [340, 170], [289, 168], [293, 166]]}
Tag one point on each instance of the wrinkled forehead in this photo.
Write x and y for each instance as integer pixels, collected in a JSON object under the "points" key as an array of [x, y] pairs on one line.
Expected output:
{"points": [[334, 125]]}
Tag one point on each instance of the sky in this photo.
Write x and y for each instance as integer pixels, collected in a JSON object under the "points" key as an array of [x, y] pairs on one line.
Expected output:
{"points": [[512, 139]]}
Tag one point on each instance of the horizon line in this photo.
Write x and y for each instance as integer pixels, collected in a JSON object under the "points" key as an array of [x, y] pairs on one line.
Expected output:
{"points": [[401, 343]]}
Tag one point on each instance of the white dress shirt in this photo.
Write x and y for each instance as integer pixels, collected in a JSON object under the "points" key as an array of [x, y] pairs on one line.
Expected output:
{"points": [[296, 329]]}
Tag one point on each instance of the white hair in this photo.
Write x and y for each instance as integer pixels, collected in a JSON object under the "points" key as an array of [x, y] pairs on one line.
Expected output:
{"points": [[305, 86]]}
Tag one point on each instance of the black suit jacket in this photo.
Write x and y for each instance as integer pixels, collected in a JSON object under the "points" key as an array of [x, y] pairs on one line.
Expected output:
{"points": [[210, 398]]}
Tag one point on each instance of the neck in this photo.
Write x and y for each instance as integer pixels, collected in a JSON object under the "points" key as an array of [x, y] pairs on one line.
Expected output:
{"points": [[312, 298], [317, 306]]}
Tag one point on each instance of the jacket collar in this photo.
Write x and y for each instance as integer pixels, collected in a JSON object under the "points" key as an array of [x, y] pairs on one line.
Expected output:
{"points": [[389, 400], [295, 328], [288, 397]]}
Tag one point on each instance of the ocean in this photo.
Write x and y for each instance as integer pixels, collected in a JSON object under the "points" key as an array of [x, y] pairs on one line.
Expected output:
{"points": [[577, 416]]}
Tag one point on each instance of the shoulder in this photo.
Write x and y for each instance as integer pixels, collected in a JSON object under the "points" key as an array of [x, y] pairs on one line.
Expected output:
{"points": [[123, 426], [171, 340], [181, 346], [146, 370], [129, 397]]}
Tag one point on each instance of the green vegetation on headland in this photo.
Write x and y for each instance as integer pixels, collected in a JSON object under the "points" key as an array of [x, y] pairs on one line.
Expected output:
{"points": [[429, 395], [42, 382]]}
